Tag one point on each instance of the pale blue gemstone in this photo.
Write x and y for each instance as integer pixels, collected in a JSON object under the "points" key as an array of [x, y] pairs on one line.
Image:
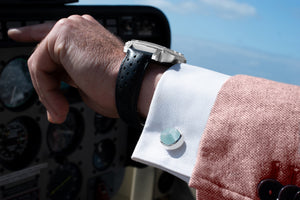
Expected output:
{"points": [[170, 136]]}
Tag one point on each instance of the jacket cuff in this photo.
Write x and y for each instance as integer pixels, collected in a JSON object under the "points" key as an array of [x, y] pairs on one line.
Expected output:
{"points": [[252, 134]]}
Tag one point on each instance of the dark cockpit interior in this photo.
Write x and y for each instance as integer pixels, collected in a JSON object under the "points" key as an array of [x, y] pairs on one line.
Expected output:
{"points": [[86, 156]]}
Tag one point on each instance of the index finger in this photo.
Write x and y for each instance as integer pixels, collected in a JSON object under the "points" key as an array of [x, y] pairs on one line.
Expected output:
{"points": [[33, 33]]}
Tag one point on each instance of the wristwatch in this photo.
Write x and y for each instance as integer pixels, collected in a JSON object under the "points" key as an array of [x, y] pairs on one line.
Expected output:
{"points": [[131, 73]]}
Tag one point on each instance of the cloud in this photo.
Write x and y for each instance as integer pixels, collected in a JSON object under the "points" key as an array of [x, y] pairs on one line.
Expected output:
{"points": [[230, 8], [181, 7], [230, 59]]}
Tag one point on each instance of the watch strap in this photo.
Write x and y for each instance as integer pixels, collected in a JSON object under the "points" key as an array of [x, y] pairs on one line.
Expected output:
{"points": [[128, 85]]}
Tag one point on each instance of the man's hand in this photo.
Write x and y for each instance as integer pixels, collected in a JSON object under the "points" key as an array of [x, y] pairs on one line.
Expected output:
{"points": [[76, 50]]}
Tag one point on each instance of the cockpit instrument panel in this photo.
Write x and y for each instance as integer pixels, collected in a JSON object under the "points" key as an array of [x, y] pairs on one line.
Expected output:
{"points": [[84, 157], [16, 89]]}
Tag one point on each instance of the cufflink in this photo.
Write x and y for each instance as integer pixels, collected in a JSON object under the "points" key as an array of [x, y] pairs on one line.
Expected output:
{"points": [[171, 138]]}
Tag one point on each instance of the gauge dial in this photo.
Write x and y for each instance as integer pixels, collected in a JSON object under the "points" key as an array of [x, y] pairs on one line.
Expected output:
{"points": [[65, 182], [16, 89], [104, 154], [103, 124], [19, 142], [64, 138]]}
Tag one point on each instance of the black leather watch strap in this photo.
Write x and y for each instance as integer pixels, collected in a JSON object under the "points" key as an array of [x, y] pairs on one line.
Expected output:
{"points": [[128, 85]]}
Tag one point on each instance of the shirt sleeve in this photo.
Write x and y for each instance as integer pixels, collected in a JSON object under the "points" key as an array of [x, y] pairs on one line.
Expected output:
{"points": [[182, 100]]}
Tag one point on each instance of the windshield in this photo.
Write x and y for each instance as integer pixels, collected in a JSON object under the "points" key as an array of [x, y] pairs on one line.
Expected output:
{"points": [[259, 38]]}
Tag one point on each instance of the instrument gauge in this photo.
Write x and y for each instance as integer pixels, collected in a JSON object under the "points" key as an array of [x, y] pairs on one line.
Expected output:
{"points": [[63, 138], [16, 89], [104, 154], [19, 142], [65, 183], [103, 124]]}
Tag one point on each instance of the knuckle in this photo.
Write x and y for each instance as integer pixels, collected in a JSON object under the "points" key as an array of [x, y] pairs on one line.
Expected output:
{"points": [[74, 17], [59, 50], [31, 63], [63, 25], [58, 38], [62, 22], [61, 29], [66, 24], [87, 15]]}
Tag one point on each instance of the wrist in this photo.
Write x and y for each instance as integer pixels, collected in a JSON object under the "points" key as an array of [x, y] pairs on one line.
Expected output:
{"points": [[152, 76], [138, 76]]}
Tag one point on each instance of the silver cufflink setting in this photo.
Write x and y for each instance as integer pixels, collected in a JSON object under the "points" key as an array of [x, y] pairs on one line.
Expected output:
{"points": [[171, 138]]}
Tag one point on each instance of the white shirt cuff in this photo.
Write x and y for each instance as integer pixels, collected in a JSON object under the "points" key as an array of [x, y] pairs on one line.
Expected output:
{"points": [[183, 99]]}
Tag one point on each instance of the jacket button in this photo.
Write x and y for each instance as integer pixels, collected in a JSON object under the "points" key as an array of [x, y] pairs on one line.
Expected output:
{"points": [[297, 196], [288, 192], [269, 189]]}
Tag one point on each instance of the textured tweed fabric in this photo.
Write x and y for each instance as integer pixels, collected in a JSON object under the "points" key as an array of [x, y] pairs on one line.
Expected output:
{"points": [[252, 134]]}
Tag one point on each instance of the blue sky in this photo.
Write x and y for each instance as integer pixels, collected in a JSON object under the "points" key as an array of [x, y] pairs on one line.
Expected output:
{"points": [[254, 37]]}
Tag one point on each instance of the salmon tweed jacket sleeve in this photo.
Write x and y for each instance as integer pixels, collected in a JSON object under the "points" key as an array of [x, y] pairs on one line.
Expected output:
{"points": [[252, 134]]}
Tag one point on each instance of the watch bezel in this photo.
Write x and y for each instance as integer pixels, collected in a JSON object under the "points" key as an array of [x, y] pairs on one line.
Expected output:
{"points": [[159, 53]]}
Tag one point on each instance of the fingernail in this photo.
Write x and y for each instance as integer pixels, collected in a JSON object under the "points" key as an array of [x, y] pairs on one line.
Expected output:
{"points": [[49, 117], [14, 31], [55, 119], [52, 118]]}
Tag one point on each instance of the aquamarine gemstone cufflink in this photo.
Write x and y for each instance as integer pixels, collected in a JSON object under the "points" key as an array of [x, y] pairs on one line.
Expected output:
{"points": [[171, 138]]}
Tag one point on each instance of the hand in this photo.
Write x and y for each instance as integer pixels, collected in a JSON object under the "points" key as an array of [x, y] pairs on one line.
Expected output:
{"points": [[79, 51]]}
